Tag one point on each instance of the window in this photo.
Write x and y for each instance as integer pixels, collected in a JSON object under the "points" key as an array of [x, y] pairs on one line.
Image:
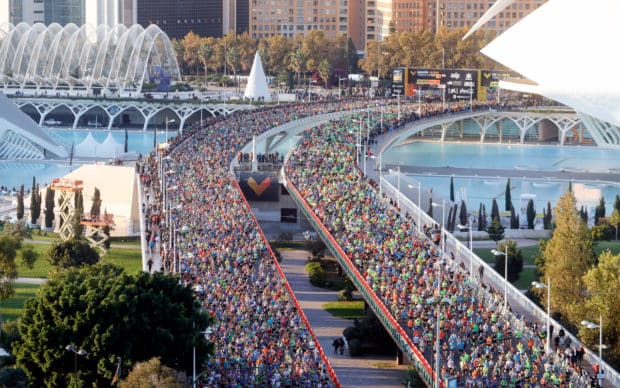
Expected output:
{"points": [[288, 215]]}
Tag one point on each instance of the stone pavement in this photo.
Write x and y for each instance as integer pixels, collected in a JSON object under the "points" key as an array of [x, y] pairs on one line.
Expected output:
{"points": [[369, 371]]}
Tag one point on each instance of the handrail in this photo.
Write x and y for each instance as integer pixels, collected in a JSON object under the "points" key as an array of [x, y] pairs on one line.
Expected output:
{"points": [[300, 311], [393, 327]]}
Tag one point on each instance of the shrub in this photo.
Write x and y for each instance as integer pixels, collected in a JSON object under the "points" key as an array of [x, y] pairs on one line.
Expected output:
{"points": [[355, 348], [345, 295], [317, 274], [603, 231]]}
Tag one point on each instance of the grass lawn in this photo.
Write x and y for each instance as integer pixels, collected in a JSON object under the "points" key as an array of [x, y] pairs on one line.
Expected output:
{"points": [[346, 310], [526, 277], [12, 308], [130, 259]]}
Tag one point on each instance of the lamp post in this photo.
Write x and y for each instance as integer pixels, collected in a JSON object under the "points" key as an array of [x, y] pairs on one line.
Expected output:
{"points": [[398, 189], [592, 325], [172, 121], [471, 248], [443, 220], [76, 352], [177, 266], [398, 99], [548, 287], [419, 203], [505, 254]]}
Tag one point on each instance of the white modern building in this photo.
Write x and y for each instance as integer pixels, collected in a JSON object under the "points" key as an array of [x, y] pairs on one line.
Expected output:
{"points": [[97, 60], [566, 47]]}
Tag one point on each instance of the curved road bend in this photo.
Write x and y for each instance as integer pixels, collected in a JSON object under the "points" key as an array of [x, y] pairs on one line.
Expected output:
{"points": [[379, 372]]}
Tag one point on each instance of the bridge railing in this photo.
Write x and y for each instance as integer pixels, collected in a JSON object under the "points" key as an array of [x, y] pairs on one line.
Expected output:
{"points": [[383, 314], [516, 299]]}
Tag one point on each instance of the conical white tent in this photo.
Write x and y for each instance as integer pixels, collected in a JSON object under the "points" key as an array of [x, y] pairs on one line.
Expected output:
{"points": [[88, 147], [110, 148], [256, 88]]}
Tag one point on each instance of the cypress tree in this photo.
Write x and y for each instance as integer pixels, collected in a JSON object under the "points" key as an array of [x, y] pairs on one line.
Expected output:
{"points": [[430, 207], [452, 188], [514, 220], [95, 208], [531, 214], [617, 202], [20, 203], [78, 228], [126, 141], [508, 197], [49, 207], [480, 219], [463, 213], [495, 210], [599, 212]]}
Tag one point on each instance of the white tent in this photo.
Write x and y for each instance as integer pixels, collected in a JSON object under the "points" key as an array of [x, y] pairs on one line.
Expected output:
{"points": [[256, 88], [87, 148], [110, 148]]}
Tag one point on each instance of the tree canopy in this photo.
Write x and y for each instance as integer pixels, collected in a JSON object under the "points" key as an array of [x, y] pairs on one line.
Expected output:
{"points": [[567, 256], [109, 314], [72, 253]]}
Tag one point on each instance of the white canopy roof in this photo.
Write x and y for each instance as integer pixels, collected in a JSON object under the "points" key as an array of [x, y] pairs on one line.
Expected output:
{"points": [[566, 47], [257, 82]]}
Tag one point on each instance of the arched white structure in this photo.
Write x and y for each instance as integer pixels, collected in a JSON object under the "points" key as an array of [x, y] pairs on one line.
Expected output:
{"points": [[71, 57], [576, 67]]}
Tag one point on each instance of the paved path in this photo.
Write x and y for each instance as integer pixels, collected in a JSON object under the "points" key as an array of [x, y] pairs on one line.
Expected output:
{"points": [[352, 372], [30, 280]]}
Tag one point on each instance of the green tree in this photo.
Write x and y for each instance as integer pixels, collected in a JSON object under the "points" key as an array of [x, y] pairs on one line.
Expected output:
{"points": [[495, 230], [514, 219], [515, 260], [153, 373], [35, 203], [617, 202], [508, 197], [547, 217], [567, 256], [95, 207], [20, 203], [452, 188], [599, 212], [72, 253], [463, 218], [325, 70], [531, 214], [78, 212], [9, 245], [205, 52], [495, 210], [49, 207], [615, 220], [110, 314], [602, 284], [29, 256]]}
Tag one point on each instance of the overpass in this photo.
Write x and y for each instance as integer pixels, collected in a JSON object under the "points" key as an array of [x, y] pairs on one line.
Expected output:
{"points": [[107, 113]]}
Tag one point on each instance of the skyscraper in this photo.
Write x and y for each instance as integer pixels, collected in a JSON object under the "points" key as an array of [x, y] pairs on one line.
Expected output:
{"points": [[178, 17], [64, 12]]}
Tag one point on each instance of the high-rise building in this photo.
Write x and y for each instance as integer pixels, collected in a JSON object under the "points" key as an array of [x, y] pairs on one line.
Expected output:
{"points": [[17, 11], [178, 17], [236, 16], [64, 12], [111, 12]]}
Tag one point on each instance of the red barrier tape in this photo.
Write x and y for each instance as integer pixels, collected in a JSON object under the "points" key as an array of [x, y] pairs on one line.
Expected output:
{"points": [[291, 186], [331, 371]]}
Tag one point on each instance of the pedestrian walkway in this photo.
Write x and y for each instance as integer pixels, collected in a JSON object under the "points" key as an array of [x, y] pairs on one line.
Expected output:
{"points": [[368, 371]]}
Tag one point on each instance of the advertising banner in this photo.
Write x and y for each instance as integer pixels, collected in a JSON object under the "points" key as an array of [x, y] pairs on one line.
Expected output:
{"points": [[259, 187]]}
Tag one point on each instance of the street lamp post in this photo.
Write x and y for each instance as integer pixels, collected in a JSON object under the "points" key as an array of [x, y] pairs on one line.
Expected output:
{"points": [[592, 325], [172, 121], [76, 352], [548, 287], [471, 247], [505, 254], [419, 203], [438, 317], [398, 189]]}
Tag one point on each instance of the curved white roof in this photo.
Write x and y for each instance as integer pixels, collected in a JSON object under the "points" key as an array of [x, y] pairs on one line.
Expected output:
{"points": [[53, 55], [567, 48]]}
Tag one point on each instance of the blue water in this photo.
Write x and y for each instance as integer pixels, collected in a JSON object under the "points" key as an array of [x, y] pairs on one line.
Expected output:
{"points": [[14, 174], [503, 156], [137, 141]]}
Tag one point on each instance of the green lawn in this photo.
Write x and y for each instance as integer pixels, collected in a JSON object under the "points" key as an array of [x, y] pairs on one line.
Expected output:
{"points": [[12, 308], [130, 259], [346, 310]]}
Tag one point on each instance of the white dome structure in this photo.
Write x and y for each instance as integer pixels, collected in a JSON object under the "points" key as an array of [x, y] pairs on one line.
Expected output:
{"points": [[256, 88], [71, 57]]}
